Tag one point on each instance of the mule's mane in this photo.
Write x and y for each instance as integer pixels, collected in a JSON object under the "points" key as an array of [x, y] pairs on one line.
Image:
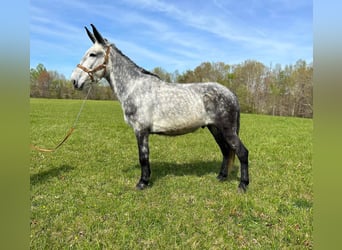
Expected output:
{"points": [[142, 70]]}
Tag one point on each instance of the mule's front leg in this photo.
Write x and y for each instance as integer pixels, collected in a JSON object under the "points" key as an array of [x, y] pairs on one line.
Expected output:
{"points": [[142, 139]]}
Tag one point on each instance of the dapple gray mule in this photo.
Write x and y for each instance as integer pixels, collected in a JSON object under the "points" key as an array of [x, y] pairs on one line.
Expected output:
{"points": [[152, 106]]}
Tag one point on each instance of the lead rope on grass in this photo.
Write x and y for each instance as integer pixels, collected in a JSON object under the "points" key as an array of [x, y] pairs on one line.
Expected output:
{"points": [[71, 130]]}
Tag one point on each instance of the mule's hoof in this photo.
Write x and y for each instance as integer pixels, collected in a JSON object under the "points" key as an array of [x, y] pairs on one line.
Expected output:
{"points": [[141, 185], [242, 187], [221, 177]]}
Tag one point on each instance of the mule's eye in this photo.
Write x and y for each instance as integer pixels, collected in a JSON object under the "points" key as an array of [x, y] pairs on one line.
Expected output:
{"points": [[92, 55]]}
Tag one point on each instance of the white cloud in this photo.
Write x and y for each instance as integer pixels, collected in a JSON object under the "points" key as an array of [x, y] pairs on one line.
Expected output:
{"points": [[168, 33]]}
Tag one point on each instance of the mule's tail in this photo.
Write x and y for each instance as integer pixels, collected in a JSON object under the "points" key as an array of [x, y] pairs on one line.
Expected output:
{"points": [[231, 156], [238, 122]]}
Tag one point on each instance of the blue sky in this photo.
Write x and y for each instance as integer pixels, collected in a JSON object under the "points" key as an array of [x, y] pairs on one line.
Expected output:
{"points": [[174, 35]]}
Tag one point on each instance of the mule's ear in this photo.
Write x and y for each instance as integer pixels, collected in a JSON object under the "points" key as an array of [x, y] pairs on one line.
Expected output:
{"points": [[91, 36], [97, 35]]}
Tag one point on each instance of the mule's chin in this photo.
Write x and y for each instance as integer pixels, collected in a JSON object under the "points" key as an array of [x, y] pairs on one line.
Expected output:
{"points": [[78, 86], [85, 86]]}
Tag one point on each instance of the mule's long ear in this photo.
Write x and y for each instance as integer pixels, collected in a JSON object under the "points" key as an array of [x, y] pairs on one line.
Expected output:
{"points": [[97, 35], [91, 36]]}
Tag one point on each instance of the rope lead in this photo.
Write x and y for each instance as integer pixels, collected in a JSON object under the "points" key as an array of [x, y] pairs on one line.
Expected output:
{"points": [[71, 130]]}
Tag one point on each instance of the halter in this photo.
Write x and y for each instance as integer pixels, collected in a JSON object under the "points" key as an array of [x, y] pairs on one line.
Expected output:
{"points": [[103, 66]]}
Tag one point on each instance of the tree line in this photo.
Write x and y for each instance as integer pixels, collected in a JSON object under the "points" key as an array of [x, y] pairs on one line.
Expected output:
{"points": [[50, 84], [283, 91]]}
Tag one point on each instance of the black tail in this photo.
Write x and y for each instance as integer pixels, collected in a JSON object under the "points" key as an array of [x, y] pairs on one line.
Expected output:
{"points": [[238, 122]]}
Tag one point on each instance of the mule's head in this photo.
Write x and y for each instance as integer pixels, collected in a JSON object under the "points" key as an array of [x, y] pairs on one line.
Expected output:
{"points": [[94, 64]]}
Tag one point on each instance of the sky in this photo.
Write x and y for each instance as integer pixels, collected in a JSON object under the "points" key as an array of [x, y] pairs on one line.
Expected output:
{"points": [[174, 35]]}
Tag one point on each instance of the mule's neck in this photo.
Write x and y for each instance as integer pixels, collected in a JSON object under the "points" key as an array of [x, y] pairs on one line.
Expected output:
{"points": [[124, 74]]}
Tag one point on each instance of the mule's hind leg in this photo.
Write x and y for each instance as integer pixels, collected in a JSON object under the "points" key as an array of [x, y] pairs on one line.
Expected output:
{"points": [[227, 154], [242, 153]]}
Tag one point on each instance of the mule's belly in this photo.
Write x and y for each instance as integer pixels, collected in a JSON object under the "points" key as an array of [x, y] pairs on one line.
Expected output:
{"points": [[180, 113], [175, 132], [177, 126]]}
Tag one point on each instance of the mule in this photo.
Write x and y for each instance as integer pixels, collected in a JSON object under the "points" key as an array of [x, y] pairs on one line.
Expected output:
{"points": [[153, 106]]}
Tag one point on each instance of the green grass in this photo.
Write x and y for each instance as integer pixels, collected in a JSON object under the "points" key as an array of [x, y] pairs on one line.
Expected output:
{"points": [[83, 195]]}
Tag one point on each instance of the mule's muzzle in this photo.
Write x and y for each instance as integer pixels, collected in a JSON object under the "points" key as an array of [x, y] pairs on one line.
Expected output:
{"points": [[76, 86]]}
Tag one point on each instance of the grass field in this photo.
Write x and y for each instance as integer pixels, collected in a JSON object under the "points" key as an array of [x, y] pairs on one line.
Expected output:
{"points": [[83, 195]]}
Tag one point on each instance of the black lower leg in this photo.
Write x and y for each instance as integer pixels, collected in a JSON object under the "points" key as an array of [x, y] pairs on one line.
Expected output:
{"points": [[224, 147], [145, 174], [142, 139], [222, 176], [242, 153]]}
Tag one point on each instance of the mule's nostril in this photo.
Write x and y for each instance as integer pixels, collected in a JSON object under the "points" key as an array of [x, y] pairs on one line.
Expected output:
{"points": [[74, 83]]}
